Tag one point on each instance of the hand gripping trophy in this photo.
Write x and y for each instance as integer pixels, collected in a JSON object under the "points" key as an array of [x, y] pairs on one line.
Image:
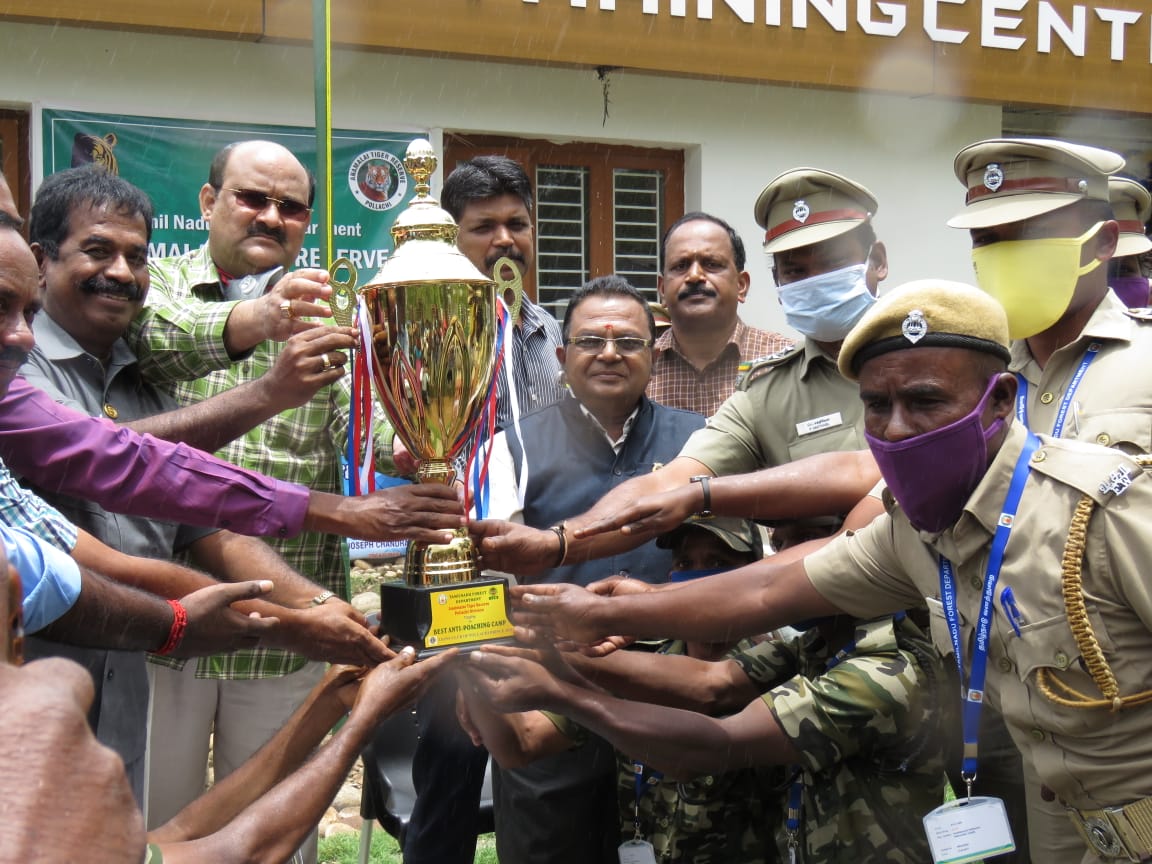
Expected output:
{"points": [[433, 322]]}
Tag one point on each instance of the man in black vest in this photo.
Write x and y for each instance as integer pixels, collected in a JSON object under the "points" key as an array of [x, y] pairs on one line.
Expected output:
{"points": [[561, 460]]}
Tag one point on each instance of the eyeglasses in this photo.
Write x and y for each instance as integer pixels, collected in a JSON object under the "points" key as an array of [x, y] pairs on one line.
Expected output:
{"points": [[251, 199], [622, 344]]}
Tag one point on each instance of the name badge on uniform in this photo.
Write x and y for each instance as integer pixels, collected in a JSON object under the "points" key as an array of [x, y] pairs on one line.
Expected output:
{"points": [[819, 424], [968, 829], [637, 852]]}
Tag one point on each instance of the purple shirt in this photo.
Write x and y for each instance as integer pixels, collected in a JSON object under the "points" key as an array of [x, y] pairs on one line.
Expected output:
{"points": [[68, 452]]}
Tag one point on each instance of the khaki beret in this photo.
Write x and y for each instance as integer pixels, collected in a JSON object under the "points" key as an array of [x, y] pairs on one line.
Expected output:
{"points": [[1009, 179], [927, 313], [1132, 206], [740, 535], [806, 205]]}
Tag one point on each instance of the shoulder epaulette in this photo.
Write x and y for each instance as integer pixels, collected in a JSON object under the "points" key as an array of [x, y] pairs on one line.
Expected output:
{"points": [[1139, 313], [753, 369], [1099, 472]]}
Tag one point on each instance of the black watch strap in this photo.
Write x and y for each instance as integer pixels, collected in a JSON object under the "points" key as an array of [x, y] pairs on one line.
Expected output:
{"points": [[704, 480]]}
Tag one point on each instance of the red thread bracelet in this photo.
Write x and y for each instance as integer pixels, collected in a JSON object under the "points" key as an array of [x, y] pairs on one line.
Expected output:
{"points": [[179, 625]]}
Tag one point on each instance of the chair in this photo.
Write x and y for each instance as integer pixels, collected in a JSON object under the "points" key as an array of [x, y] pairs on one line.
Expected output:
{"points": [[388, 795]]}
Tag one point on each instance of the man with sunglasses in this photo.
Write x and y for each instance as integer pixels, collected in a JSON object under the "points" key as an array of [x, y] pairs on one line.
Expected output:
{"points": [[603, 432], [200, 334]]}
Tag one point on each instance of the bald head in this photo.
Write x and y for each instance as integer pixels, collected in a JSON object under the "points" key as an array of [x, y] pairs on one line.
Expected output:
{"points": [[248, 232]]}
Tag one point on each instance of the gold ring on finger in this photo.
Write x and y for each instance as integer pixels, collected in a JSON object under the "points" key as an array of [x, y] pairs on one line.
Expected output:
{"points": [[327, 363], [286, 310]]}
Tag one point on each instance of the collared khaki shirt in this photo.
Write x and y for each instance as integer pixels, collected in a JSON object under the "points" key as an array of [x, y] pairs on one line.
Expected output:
{"points": [[1112, 405], [1091, 757], [787, 407]]}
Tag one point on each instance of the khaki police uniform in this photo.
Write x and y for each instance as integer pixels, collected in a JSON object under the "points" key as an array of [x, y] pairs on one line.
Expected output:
{"points": [[1112, 405], [1078, 746], [794, 403], [1009, 180], [1091, 757], [788, 406]]}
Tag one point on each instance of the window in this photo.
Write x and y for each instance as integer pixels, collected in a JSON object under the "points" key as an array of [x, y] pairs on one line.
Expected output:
{"points": [[599, 209]]}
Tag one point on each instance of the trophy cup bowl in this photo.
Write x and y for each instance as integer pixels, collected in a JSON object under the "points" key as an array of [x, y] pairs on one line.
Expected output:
{"points": [[432, 318]]}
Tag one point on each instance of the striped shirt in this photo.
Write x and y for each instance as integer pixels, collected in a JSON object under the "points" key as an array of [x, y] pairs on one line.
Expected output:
{"points": [[535, 370], [678, 384], [20, 508], [178, 336]]}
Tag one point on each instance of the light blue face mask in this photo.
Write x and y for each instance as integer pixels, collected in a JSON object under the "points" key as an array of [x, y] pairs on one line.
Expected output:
{"points": [[827, 306]]}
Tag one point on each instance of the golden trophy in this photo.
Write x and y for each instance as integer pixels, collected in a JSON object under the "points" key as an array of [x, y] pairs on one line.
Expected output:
{"points": [[433, 319]]}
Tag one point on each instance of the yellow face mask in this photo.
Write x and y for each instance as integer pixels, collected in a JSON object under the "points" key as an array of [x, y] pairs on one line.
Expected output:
{"points": [[1033, 279]]}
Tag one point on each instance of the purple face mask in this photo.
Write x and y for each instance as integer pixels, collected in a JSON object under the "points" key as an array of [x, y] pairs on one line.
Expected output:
{"points": [[1132, 290], [932, 475]]}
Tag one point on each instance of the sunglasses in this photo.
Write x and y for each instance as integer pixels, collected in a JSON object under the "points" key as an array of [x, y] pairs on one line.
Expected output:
{"points": [[251, 199], [622, 344]]}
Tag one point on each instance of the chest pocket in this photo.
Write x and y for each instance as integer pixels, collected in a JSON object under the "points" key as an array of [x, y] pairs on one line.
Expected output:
{"points": [[1047, 650], [1127, 429], [834, 439]]}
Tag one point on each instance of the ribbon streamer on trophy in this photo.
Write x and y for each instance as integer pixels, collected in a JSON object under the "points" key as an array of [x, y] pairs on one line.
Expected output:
{"points": [[436, 327]]}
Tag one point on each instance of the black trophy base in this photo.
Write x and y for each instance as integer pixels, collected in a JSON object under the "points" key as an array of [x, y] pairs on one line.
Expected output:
{"points": [[434, 618]]}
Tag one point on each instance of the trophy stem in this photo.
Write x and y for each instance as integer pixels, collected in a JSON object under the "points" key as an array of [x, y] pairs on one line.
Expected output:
{"points": [[441, 563], [436, 471], [449, 563]]}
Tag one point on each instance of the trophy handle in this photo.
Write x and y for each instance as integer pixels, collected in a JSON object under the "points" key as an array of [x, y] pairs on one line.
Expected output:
{"points": [[343, 300], [515, 284]]}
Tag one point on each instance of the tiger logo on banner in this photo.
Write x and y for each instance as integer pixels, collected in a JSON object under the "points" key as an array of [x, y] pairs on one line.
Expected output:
{"points": [[95, 150]]}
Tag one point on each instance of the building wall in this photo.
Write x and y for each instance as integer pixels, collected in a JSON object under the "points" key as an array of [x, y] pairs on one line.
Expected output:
{"points": [[736, 136]]}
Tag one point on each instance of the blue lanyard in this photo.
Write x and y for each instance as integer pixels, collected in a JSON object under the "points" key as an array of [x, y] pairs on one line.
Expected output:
{"points": [[642, 786], [973, 694], [1066, 401]]}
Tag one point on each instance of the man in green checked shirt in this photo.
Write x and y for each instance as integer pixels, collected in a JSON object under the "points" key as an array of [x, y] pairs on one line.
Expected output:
{"points": [[198, 336]]}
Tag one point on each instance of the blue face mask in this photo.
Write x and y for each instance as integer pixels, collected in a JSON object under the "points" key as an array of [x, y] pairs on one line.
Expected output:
{"points": [[827, 306]]}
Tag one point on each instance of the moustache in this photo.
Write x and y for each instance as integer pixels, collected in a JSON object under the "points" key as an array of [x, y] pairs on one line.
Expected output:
{"points": [[695, 289], [259, 229], [108, 288], [512, 253]]}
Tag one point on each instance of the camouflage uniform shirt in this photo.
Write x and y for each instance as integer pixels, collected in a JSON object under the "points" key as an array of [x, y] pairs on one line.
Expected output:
{"points": [[710, 819], [867, 731]]}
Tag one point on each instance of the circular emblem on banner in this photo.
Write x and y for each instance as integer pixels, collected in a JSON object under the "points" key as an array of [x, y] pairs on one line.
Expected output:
{"points": [[993, 177], [378, 180], [801, 211]]}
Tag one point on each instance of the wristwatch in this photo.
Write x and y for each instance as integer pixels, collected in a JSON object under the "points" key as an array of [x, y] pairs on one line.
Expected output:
{"points": [[704, 512]]}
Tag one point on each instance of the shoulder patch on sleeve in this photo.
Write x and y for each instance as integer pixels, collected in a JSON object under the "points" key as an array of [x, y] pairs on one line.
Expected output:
{"points": [[754, 369]]}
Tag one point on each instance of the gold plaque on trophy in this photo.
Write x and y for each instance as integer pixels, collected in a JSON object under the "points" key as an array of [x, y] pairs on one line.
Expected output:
{"points": [[433, 319]]}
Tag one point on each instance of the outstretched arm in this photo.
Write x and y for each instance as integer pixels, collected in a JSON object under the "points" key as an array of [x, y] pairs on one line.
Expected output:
{"points": [[678, 681], [644, 507], [728, 606], [680, 743], [820, 485], [275, 820], [299, 371]]}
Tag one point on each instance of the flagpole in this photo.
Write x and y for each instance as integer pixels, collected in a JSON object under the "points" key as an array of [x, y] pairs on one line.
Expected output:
{"points": [[322, 86]]}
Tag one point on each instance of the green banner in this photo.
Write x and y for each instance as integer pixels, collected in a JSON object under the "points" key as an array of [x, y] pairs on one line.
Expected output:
{"points": [[169, 160]]}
